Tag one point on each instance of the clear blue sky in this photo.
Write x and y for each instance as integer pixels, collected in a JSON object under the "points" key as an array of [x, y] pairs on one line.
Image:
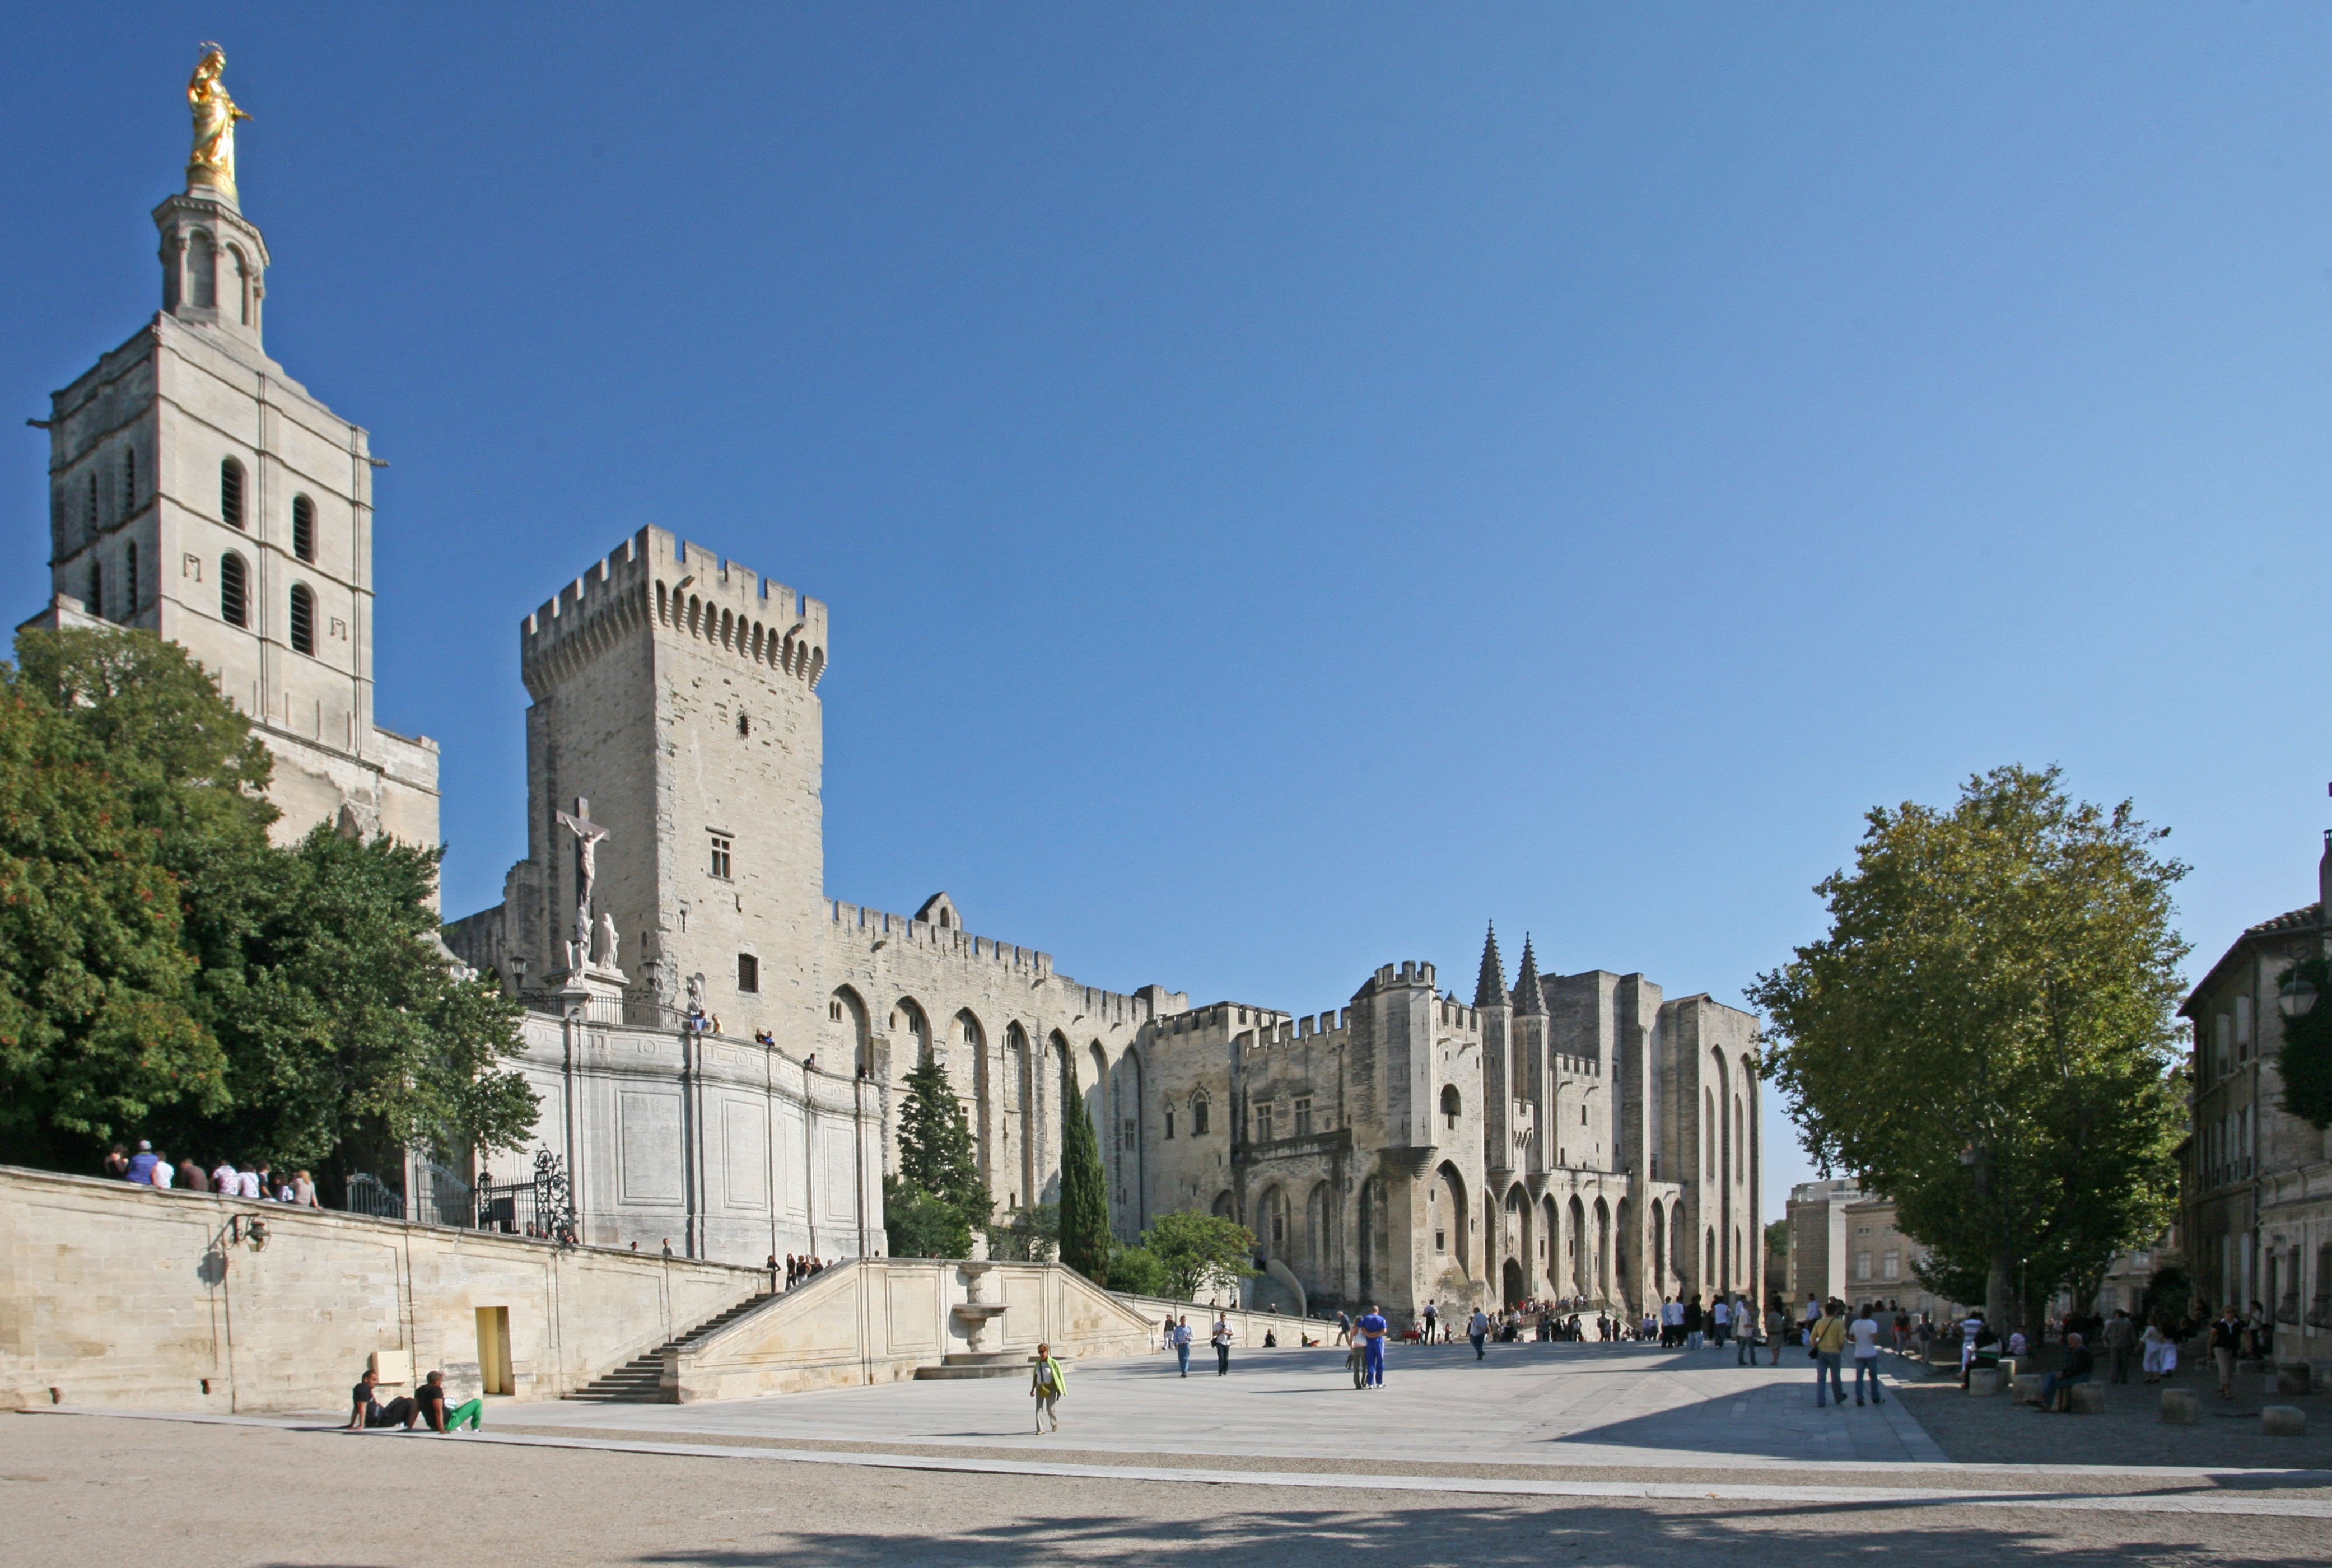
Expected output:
{"points": [[1296, 483]]}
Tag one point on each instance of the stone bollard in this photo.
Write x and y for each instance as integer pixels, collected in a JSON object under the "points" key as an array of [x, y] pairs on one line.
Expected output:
{"points": [[1984, 1381], [2282, 1421], [2023, 1389], [2294, 1378], [2182, 1407], [2088, 1399]]}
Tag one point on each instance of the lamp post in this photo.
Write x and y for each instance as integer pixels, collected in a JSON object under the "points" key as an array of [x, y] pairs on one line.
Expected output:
{"points": [[2296, 996]]}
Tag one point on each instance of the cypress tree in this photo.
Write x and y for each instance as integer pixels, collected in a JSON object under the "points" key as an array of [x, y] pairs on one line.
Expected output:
{"points": [[1085, 1196]]}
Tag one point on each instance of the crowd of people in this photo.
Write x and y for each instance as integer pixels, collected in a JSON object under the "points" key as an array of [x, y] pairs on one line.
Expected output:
{"points": [[147, 1166], [798, 1270]]}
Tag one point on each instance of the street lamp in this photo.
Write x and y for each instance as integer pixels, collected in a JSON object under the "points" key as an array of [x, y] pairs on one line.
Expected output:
{"points": [[2297, 995]]}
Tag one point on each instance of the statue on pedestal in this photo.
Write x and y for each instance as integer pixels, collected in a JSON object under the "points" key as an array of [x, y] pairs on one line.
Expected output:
{"points": [[211, 162]]}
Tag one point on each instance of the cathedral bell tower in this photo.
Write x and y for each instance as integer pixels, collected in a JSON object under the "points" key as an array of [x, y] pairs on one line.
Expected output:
{"points": [[198, 492]]}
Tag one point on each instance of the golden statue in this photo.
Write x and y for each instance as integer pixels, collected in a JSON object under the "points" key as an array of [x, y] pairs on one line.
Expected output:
{"points": [[211, 162]]}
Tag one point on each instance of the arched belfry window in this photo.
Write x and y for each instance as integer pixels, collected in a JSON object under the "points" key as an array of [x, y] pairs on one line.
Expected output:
{"points": [[202, 272], [1450, 1104], [129, 580], [89, 506], [234, 591], [97, 589], [129, 480], [303, 619], [242, 284], [304, 527], [231, 492]]}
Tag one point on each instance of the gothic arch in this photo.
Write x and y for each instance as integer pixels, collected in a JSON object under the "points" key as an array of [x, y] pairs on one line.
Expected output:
{"points": [[1316, 1265], [1521, 1258], [1577, 1251], [1274, 1228], [1603, 1273], [846, 1019], [1447, 1197], [1019, 1152], [972, 1036], [1549, 1267], [1375, 1240], [1655, 1278], [911, 1024]]}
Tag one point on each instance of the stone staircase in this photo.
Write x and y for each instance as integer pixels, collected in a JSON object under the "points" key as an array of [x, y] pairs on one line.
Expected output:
{"points": [[640, 1380]]}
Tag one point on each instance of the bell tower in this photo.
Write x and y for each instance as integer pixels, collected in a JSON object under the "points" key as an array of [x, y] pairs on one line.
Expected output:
{"points": [[198, 492]]}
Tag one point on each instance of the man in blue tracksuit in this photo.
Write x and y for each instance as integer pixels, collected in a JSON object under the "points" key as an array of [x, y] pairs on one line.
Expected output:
{"points": [[1373, 1326]]}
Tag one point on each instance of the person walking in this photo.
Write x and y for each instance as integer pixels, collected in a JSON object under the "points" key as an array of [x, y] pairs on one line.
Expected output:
{"points": [[1720, 1321], [1692, 1320], [1477, 1329], [1182, 1344], [1745, 1332], [2226, 1340], [1865, 1330], [1432, 1319], [1828, 1336], [2121, 1343], [2161, 1354], [1373, 1328], [1777, 1330], [1344, 1327], [1221, 1340], [1048, 1383]]}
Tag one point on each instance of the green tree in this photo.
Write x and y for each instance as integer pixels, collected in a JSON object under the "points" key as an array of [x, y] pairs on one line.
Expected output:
{"points": [[1201, 1252], [936, 1163], [1086, 1240], [2305, 1060], [1026, 1235], [1986, 1031], [920, 1225], [345, 1029], [96, 1032], [308, 1003], [1138, 1271]]}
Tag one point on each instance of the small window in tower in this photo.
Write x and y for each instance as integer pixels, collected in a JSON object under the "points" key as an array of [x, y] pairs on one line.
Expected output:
{"points": [[1198, 1115], [97, 589], [1170, 1123], [1304, 1118], [231, 492], [234, 599], [749, 973], [89, 506], [744, 724], [1451, 1106], [129, 579], [721, 856], [303, 620], [1262, 1123], [201, 268], [304, 527], [129, 480]]}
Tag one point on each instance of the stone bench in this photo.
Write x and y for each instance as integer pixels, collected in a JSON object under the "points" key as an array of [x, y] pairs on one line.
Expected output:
{"points": [[2283, 1422], [2294, 1378], [2088, 1399], [2182, 1407], [2023, 1388], [1984, 1381]]}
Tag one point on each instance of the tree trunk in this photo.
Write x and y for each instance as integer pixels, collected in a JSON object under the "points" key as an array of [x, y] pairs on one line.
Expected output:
{"points": [[1999, 1291]]}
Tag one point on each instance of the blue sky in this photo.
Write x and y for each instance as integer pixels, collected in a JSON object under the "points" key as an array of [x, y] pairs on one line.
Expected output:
{"points": [[1294, 483]]}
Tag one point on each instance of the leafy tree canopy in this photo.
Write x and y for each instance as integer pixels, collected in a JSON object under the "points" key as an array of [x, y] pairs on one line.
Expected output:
{"points": [[1201, 1252], [166, 971], [1986, 1031]]}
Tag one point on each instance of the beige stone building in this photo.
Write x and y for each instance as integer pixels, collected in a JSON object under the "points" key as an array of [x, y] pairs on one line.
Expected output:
{"points": [[198, 490], [1845, 1242], [2256, 1183]]}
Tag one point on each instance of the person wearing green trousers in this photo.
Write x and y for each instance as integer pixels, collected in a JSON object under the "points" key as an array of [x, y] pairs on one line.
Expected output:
{"points": [[433, 1410]]}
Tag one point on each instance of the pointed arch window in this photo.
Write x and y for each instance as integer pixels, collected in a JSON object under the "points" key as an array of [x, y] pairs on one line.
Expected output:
{"points": [[129, 480], [129, 580], [234, 590], [231, 492], [89, 504], [303, 620], [304, 527], [202, 272], [97, 589]]}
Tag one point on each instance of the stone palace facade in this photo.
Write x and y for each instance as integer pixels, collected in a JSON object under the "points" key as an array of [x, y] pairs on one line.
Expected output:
{"points": [[720, 1045]]}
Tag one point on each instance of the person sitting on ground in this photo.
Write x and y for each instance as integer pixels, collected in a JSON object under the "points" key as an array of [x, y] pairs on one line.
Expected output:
{"points": [[2079, 1364], [431, 1397], [1270, 1340], [367, 1411]]}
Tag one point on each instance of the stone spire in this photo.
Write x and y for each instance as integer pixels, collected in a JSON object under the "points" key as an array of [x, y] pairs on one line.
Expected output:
{"points": [[1490, 990], [1529, 997]]}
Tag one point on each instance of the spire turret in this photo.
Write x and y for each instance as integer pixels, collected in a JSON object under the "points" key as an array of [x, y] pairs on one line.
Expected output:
{"points": [[1490, 990], [1529, 997]]}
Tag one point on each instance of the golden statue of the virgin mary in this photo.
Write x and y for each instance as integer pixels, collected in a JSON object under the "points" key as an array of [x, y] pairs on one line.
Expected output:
{"points": [[212, 163]]}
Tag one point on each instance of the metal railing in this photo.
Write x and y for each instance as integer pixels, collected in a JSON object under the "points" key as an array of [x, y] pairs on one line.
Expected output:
{"points": [[367, 1194], [542, 1205]]}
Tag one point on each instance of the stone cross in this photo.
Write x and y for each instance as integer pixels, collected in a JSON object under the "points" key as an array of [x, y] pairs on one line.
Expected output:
{"points": [[588, 837]]}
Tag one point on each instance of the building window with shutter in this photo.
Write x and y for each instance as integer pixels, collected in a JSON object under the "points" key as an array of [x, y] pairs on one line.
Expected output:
{"points": [[303, 620], [304, 527], [749, 973], [231, 492], [235, 597]]}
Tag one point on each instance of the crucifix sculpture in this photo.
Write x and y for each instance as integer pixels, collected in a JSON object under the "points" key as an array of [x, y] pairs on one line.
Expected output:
{"points": [[588, 837]]}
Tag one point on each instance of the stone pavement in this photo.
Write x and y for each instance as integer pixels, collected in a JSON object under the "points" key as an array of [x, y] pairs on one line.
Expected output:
{"points": [[1539, 1404]]}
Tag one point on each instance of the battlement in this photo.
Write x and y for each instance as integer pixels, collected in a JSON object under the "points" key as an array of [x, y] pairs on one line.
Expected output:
{"points": [[954, 941], [1279, 1031], [1408, 972], [656, 580]]}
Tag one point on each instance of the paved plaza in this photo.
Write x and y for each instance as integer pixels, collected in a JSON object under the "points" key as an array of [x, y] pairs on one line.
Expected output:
{"points": [[1537, 1404], [1572, 1454]]}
